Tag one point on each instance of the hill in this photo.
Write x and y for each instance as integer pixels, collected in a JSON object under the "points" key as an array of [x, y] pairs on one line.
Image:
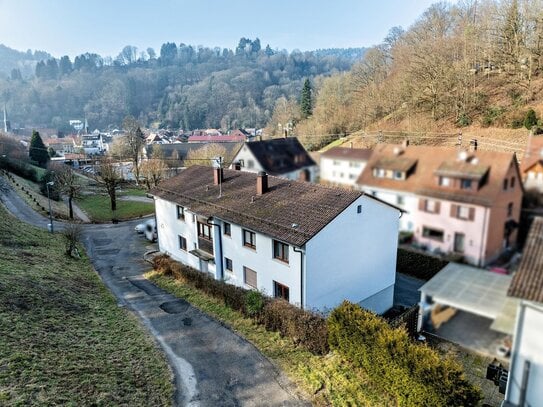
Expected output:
{"points": [[180, 87], [23, 62]]}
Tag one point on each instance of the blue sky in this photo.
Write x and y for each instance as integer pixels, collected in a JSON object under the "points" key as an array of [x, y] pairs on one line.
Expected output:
{"points": [[105, 26]]}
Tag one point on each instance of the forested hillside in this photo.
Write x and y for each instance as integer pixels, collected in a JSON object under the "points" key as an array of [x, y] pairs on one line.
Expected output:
{"points": [[16, 65], [464, 66], [180, 87]]}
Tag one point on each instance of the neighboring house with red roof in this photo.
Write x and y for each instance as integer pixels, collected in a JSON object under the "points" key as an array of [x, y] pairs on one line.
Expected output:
{"points": [[532, 164], [281, 157], [524, 385], [343, 166], [310, 244], [456, 201], [62, 146]]}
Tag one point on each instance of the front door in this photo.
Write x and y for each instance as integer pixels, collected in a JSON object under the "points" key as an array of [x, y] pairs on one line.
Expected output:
{"points": [[459, 242]]}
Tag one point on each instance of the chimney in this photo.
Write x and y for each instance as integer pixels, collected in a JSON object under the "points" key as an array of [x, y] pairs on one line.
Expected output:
{"points": [[217, 176], [473, 145], [261, 183], [405, 143], [237, 166]]}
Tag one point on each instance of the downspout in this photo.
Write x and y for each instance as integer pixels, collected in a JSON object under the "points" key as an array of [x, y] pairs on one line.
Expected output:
{"points": [[301, 275], [483, 241], [219, 263]]}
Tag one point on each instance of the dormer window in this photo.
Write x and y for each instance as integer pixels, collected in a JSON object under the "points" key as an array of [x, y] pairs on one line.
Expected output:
{"points": [[398, 175], [379, 172], [444, 181], [465, 183]]}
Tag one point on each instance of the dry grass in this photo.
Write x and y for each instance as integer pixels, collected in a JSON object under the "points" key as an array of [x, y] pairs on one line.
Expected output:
{"points": [[64, 340]]}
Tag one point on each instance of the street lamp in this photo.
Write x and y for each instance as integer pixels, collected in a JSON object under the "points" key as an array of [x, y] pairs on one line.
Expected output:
{"points": [[50, 184]]}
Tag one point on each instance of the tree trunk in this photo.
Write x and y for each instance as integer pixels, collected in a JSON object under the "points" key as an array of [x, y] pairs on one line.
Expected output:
{"points": [[71, 207]]}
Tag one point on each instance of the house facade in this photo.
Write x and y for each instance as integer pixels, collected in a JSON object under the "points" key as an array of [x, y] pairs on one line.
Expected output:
{"points": [[455, 201], [280, 157], [526, 368], [532, 164], [343, 166], [311, 245]]}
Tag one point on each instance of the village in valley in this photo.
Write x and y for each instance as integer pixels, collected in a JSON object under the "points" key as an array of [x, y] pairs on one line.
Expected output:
{"points": [[300, 244]]}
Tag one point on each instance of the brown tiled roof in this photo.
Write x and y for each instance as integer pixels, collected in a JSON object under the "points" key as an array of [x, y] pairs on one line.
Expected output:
{"points": [[280, 155], [527, 282], [353, 154], [395, 163], [533, 153], [429, 159], [309, 207], [462, 169]]}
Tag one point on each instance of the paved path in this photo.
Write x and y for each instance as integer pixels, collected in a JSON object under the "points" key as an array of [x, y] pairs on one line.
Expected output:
{"points": [[212, 365]]}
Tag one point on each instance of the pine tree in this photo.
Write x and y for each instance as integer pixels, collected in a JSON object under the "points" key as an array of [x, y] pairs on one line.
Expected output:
{"points": [[37, 151], [306, 103]]}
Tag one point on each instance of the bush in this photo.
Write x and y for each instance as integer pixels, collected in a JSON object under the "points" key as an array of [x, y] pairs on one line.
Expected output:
{"points": [[305, 328], [415, 375], [464, 120], [418, 265], [530, 119], [54, 192], [19, 168], [491, 115]]}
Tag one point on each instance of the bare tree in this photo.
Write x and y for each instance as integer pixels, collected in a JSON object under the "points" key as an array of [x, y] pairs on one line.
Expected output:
{"points": [[133, 142], [68, 183], [154, 169], [110, 177], [72, 235]]}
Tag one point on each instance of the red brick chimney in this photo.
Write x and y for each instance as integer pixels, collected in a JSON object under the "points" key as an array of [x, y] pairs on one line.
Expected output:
{"points": [[261, 183], [217, 176]]}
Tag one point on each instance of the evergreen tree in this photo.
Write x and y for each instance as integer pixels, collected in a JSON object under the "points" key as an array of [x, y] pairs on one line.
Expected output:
{"points": [[306, 103], [37, 151], [530, 120], [65, 65]]}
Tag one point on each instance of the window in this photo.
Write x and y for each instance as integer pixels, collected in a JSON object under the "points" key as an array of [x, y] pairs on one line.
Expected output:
{"points": [[400, 200], [505, 183], [250, 164], [204, 231], [336, 162], [249, 277], [228, 264], [341, 175], [512, 182], [352, 176], [379, 172], [462, 212], [280, 251], [182, 243], [465, 184], [180, 212], [431, 206], [510, 209], [280, 291], [398, 175], [434, 234], [354, 164], [227, 229], [359, 209], [249, 239], [444, 181]]}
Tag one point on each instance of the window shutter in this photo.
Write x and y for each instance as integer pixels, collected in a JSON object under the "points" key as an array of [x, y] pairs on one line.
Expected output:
{"points": [[437, 207], [471, 213], [422, 204], [454, 211]]}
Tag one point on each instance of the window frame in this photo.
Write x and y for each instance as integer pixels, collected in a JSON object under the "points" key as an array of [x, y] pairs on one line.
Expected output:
{"points": [[201, 232], [182, 240], [226, 262], [505, 184], [245, 269], [180, 212], [279, 291], [279, 250], [510, 209], [444, 181], [251, 243], [459, 210], [466, 183], [428, 236], [227, 229]]}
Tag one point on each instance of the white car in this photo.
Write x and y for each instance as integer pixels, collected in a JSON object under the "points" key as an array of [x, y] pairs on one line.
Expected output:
{"points": [[140, 228]]}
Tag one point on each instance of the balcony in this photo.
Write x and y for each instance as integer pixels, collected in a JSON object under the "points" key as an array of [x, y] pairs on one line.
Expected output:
{"points": [[206, 245]]}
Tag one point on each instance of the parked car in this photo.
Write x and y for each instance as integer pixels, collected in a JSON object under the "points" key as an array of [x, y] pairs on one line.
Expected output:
{"points": [[140, 228], [150, 230]]}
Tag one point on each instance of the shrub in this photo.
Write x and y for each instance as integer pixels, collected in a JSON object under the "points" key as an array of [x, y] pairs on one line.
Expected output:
{"points": [[20, 168], [490, 115], [254, 303], [414, 374], [463, 120], [418, 265], [530, 119]]}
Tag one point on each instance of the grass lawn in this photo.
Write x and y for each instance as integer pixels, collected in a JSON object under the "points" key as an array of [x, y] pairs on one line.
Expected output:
{"points": [[132, 192], [98, 208], [326, 380], [64, 340]]}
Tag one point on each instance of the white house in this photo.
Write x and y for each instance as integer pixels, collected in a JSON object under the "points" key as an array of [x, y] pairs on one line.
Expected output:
{"points": [[343, 166], [309, 244], [524, 385], [280, 157]]}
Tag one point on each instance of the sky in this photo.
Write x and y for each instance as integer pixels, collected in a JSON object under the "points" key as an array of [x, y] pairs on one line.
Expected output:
{"points": [[72, 27]]}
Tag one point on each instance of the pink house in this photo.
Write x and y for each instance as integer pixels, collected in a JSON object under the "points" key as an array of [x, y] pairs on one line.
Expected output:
{"points": [[460, 202]]}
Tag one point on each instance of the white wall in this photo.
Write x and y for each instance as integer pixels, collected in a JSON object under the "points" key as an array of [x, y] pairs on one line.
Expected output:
{"points": [[261, 260], [527, 345], [340, 171], [354, 258], [409, 205]]}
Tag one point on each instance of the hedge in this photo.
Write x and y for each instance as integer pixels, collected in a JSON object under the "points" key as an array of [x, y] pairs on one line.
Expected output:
{"points": [[418, 265], [19, 167], [414, 374], [303, 327]]}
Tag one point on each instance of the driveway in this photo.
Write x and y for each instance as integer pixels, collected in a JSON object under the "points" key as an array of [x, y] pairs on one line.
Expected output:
{"points": [[212, 365]]}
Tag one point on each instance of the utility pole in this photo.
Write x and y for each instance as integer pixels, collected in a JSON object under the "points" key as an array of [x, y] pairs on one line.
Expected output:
{"points": [[50, 184]]}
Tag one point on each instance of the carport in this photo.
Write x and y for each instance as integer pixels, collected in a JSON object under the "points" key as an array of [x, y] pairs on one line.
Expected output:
{"points": [[468, 305]]}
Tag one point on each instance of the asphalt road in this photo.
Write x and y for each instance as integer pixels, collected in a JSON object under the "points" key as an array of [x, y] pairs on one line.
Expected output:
{"points": [[212, 365]]}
